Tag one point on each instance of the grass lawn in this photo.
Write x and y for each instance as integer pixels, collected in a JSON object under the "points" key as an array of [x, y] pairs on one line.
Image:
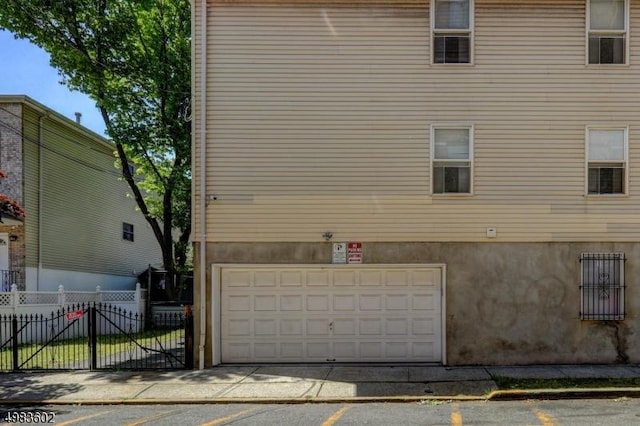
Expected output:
{"points": [[75, 352], [505, 383]]}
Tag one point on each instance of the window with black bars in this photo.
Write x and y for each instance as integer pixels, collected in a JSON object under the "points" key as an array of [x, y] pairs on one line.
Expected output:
{"points": [[602, 286]]}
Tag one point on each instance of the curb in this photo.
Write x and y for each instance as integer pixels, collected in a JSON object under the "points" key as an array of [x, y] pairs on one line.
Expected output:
{"points": [[499, 395], [591, 393], [326, 400]]}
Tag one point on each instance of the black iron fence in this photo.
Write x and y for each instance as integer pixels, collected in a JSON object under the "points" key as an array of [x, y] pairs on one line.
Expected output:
{"points": [[96, 336]]}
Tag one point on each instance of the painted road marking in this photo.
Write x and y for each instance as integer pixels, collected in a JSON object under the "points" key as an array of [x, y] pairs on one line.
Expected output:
{"points": [[152, 418], [220, 420], [80, 419], [456, 416], [545, 419], [335, 416]]}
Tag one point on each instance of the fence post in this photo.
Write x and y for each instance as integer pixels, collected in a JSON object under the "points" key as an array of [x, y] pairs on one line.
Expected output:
{"points": [[15, 297], [93, 349], [98, 294], [61, 298], [14, 338], [188, 337]]}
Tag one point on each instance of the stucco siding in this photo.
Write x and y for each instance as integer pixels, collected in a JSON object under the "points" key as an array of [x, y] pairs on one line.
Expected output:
{"points": [[319, 119], [506, 304]]}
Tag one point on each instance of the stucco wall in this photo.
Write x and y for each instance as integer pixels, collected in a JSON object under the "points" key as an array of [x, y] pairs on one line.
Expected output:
{"points": [[506, 303]]}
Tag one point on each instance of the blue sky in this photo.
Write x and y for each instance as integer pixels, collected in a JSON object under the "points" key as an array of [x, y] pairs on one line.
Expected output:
{"points": [[25, 70]]}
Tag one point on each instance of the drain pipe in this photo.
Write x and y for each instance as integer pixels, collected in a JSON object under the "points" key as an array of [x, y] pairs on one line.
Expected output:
{"points": [[203, 184]]}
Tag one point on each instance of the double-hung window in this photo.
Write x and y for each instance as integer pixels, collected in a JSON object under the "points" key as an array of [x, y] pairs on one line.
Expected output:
{"points": [[606, 160], [607, 33], [451, 159], [452, 22]]}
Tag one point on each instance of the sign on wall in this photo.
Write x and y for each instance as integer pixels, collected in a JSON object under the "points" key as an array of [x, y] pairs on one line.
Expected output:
{"points": [[339, 253], [354, 252]]}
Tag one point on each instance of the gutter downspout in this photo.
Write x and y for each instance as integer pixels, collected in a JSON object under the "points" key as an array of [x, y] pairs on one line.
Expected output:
{"points": [[40, 203], [203, 185]]}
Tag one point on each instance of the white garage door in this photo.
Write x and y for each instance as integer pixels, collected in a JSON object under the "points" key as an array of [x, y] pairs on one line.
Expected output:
{"points": [[343, 313]]}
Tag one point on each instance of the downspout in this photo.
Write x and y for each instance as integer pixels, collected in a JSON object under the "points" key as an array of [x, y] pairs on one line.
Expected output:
{"points": [[40, 203], [203, 185]]}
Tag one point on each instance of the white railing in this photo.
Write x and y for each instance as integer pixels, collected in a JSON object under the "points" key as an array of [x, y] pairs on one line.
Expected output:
{"points": [[42, 302]]}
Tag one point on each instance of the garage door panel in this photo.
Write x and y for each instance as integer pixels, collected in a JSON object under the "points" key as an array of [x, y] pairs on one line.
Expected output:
{"points": [[291, 302], [265, 303], [318, 302], [424, 302], [266, 279], [344, 302], [370, 302], [349, 314], [291, 278], [344, 278], [397, 302]]}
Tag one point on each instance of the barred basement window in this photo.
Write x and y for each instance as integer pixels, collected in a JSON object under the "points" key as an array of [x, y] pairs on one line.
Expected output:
{"points": [[602, 286]]}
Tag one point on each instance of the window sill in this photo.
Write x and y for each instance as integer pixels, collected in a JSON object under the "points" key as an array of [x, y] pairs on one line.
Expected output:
{"points": [[613, 66], [605, 196], [451, 196], [452, 64]]}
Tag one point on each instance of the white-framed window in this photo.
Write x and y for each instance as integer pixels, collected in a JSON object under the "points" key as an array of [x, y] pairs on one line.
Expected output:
{"points": [[452, 159], [607, 153], [127, 231], [602, 286], [452, 31], [607, 31]]}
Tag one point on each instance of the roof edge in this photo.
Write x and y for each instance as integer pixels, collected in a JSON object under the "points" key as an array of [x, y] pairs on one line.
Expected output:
{"points": [[45, 110]]}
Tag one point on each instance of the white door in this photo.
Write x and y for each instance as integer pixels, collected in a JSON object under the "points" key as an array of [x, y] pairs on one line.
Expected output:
{"points": [[345, 313]]}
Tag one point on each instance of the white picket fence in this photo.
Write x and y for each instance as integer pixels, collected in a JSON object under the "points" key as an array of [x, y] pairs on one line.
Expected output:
{"points": [[43, 302]]}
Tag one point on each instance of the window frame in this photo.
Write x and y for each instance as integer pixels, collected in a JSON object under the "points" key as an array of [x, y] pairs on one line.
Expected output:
{"points": [[128, 232], [624, 33], [433, 159], [434, 31], [625, 162]]}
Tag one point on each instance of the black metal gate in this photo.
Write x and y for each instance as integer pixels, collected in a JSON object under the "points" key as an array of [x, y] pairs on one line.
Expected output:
{"points": [[96, 336]]}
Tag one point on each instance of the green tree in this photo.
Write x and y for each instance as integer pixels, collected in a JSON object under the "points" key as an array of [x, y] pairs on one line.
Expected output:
{"points": [[133, 57]]}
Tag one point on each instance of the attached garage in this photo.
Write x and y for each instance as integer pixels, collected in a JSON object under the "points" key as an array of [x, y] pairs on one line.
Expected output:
{"points": [[328, 313]]}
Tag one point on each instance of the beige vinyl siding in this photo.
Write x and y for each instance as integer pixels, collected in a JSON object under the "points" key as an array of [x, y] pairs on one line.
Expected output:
{"points": [[84, 205], [30, 138], [319, 119]]}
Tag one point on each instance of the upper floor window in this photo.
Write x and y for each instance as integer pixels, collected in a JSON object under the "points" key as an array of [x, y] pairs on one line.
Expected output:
{"points": [[452, 156], [607, 31], [127, 231], [452, 22], [606, 160]]}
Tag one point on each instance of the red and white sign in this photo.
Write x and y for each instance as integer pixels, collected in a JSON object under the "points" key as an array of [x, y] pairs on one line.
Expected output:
{"points": [[354, 252], [71, 316]]}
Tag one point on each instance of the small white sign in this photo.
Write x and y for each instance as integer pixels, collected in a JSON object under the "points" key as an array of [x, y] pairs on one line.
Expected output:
{"points": [[339, 253]]}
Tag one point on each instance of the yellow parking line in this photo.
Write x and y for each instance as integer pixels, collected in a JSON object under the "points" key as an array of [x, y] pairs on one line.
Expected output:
{"points": [[80, 419], [335, 416], [456, 416], [545, 419], [152, 418], [219, 420]]}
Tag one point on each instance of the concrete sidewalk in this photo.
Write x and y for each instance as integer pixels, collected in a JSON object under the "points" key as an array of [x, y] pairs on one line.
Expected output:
{"points": [[299, 383]]}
